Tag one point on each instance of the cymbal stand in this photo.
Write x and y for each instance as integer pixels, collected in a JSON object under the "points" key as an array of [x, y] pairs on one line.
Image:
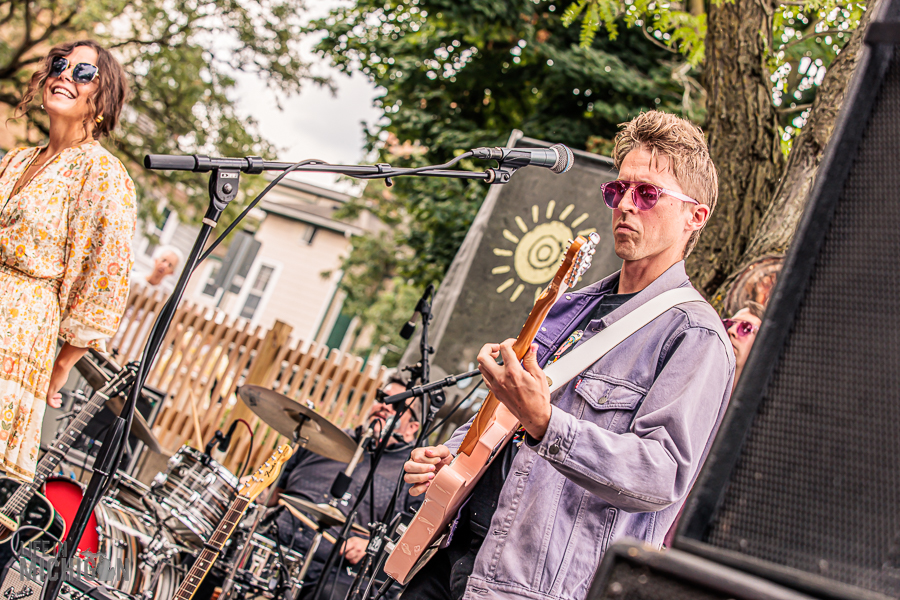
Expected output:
{"points": [[338, 489], [229, 587]]}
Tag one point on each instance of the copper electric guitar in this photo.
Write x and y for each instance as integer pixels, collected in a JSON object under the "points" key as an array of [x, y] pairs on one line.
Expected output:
{"points": [[493, 426]]}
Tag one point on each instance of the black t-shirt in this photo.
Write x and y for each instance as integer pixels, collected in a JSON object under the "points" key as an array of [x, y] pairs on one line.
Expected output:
{"points": [[310, 476], [476, 515]]}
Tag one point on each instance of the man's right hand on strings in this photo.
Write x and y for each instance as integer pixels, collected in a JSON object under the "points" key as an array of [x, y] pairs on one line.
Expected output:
{"points": [[423, 465]]}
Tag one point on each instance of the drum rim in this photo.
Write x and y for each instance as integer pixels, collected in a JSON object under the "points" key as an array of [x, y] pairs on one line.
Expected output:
{"points": [[195, 454]]}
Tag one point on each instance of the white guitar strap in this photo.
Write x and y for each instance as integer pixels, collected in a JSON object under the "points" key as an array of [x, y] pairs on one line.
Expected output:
{"points": [[576, 361]]}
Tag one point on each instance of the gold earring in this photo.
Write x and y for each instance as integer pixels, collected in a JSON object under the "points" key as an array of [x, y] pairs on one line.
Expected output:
{"points": [[99, 119]]}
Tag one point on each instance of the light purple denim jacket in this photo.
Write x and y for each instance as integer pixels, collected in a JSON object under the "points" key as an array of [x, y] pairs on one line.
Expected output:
{"points": [[624, 444]]}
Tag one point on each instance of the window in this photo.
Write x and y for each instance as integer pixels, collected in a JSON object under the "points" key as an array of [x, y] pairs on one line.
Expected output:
{"points": [[257, 291], [308, 234], [210, 288]]}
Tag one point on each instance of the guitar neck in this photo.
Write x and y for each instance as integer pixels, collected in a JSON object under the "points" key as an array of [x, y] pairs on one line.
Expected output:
{"points": [[63, 443], [54, 456], [520, 347], [212, 549]]}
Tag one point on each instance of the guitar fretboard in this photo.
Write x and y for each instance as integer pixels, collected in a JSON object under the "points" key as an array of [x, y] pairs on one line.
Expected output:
{"points": [[212, 549], [45, 467]]}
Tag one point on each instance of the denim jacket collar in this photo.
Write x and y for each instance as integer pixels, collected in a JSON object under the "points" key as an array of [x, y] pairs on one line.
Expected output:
{"points": [[673, 277], [574, 306]]}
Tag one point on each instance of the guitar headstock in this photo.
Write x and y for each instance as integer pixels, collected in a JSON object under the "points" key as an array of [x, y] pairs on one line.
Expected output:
{"points": [[266, 474], [576, 261], [120, 382], [582, 260]]}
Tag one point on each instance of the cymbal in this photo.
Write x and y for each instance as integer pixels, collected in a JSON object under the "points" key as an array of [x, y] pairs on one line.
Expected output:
{"points": [[139, 426], [297, 422], [91, 367], [325, 514]]}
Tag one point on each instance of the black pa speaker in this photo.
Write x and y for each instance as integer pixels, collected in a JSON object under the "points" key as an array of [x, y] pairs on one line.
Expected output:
{"points": [[632, 571], [802, 486]]}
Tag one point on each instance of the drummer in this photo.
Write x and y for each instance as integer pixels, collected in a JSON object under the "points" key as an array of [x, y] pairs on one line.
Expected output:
{"points": [[310, 476]]}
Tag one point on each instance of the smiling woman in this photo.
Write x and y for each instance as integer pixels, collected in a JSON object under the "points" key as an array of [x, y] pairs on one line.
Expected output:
{"points": [[67, 216]]}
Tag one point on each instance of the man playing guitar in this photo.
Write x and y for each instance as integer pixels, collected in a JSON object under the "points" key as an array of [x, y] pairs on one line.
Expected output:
{"points": [[615, 451]]}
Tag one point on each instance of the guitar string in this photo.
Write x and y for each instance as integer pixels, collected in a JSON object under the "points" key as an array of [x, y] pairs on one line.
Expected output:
{"points": [[203, 564]]}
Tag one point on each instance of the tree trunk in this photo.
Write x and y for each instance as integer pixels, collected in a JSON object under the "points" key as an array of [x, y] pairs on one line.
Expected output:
{"points": [[743, 135], [773, 236]]}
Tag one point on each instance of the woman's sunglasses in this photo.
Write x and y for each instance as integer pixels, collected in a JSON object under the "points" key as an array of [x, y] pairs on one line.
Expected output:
{"points": [[645, 196], [81, 73], [744, 328]]}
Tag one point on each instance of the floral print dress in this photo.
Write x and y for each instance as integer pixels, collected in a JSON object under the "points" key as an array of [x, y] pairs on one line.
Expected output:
{"points": [[65, 256]]}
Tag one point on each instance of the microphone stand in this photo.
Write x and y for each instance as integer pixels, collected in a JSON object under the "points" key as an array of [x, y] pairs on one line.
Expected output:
{"points": [[432, 400], [223, 188]]}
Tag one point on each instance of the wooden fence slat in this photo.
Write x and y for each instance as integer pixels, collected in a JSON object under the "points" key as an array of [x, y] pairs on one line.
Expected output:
{"points": [[208, 356]]}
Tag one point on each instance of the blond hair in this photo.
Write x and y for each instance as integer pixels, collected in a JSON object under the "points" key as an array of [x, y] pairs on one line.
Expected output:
{"points": [[683, 144], [756, 309]]}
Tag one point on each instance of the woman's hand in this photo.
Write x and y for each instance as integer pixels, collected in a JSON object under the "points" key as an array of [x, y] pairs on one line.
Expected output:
{"points": [[57, 380], [423, 465], [65, 360]]}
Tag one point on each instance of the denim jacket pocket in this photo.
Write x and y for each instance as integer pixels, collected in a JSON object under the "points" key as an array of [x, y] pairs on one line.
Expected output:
{"points": [[609, 403]]}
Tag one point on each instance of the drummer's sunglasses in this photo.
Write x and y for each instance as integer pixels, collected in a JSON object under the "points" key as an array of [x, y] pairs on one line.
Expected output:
{"points": [[744, 328], [81, 73], [645, 196], [380, 396]]}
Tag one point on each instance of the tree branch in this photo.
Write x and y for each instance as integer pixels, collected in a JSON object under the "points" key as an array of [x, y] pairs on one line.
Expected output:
{"points": [[9, 16], [657, 42], [791, 109], [796, 41]]}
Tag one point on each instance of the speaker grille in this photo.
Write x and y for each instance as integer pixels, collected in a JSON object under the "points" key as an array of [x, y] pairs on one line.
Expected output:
{"points": [[817, 486]]}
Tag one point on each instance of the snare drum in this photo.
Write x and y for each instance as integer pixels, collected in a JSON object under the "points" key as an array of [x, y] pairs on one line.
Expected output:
{"points": [[124, 535], [129, 491], [195, 492], [263, 567]]}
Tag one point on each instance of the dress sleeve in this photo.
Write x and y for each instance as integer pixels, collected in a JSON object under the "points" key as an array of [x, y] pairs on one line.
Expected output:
{"points": [[94, 289]]}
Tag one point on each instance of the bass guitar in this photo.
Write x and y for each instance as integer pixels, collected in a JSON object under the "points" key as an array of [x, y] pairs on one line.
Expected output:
{"points": [[492, 427], [22, 503], [246, 493]]}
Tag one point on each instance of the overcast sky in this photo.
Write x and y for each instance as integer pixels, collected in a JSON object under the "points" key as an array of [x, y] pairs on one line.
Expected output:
{"points": [[315, 123]]}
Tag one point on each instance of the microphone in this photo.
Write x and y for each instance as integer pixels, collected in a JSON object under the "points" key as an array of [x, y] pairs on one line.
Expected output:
{"points": [[421, 306], [558, 158], [226, 441], [222, 440]]}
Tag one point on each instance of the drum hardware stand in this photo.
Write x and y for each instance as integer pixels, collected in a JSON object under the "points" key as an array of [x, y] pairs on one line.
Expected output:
{"points": [[158, 554]]}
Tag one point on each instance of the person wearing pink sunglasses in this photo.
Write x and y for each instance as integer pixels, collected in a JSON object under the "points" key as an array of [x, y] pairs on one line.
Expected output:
{"points": [[742, 328]]}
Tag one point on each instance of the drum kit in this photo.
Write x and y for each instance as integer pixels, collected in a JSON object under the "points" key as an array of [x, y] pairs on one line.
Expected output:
{"points": [[153, 532]]}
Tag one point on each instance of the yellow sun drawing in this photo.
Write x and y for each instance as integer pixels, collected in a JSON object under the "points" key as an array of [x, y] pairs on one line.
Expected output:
{"points": [[538, 251]]}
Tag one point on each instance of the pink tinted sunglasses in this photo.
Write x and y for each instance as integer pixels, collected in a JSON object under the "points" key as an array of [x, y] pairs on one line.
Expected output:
{"points": [[744, 328], [645, 196]]}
